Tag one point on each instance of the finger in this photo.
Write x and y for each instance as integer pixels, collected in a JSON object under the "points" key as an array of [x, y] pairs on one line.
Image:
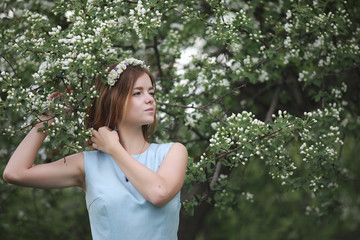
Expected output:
{"points": [[68, 89], [117, 133], [53, 95], [104, 128], [94, 145], [109, 129], [94, 132]]}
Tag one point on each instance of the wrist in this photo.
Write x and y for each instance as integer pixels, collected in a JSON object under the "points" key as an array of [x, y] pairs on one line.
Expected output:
{"points": [[115, 149]]}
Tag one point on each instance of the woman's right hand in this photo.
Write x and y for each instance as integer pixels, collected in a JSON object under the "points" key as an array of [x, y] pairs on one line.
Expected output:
{"points": [[105, 140]]}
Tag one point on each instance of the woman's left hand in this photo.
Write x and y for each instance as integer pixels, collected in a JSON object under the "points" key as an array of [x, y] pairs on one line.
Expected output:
{"points": [[105, 139]]}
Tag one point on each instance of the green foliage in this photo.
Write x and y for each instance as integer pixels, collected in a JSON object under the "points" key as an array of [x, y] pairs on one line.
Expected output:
{"points": [[221, 66]]}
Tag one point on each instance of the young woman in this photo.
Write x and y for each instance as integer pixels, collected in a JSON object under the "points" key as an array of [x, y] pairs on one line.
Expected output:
{"points": [[132, 186]]}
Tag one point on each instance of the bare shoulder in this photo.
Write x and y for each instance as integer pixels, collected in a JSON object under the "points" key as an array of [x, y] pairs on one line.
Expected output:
{"points": [[178, 151], [76, 156], [76, 162], [174, 164], [76, 159], [178, 148]]}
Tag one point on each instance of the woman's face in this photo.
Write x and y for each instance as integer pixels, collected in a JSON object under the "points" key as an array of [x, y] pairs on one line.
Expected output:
{"points": [[141, 103]]}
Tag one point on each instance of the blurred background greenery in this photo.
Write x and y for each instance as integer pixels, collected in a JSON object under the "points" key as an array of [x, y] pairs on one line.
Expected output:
{"points": [[272, 211]]}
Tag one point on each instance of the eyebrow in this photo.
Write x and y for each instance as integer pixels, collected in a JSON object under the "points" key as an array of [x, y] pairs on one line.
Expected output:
{"points": [[141, 88]]}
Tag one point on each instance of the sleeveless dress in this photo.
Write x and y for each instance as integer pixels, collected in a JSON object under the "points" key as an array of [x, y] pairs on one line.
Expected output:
{"points": [[117, 211]]}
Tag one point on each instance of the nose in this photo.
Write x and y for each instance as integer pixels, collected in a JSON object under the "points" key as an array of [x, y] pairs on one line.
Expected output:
{"points": [[149, 98]]}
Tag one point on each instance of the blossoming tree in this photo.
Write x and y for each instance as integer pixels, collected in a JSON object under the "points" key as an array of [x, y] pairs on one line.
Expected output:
{"points": [[251, 87]]}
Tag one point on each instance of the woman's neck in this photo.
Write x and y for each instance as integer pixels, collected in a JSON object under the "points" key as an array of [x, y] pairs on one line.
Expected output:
{"points": [[132, 139]]}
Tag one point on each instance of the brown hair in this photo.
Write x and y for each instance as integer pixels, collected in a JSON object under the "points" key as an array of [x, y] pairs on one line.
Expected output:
{"points": [[109, 108]]}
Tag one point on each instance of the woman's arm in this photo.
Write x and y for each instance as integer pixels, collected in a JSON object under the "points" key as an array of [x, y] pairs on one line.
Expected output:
{"points": [[62, 173], [65, 172], [156, 187]]}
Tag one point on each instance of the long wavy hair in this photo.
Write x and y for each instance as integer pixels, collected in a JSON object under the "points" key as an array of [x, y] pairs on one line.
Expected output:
{"points": [[109, 108]]}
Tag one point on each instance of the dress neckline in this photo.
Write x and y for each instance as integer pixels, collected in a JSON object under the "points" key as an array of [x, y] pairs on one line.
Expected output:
{"points": [[135, 155]]}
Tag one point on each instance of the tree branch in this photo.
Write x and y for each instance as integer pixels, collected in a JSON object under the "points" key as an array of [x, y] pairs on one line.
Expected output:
{"points": [[218, 163], [8, 62], [273, 104], [157, 57], [204, 107], [215, 176]]}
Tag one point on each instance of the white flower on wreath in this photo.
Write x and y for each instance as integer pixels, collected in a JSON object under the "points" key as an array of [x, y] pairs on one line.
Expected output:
{"points": [[115, 73]]}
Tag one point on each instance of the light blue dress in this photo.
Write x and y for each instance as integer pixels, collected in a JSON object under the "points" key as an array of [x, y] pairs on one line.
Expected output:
{"points": [[117, 210]]}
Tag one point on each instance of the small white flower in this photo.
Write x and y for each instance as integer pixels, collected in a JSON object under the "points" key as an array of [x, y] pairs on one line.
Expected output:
{"points": [[287, 41], [111, 82], [288, 14], [288, 27]]}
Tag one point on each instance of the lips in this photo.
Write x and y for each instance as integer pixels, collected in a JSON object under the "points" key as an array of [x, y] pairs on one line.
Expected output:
{"points": [[149, 110]]}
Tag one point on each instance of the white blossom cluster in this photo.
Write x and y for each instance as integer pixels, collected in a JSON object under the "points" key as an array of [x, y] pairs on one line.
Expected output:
{"points": [[217, 30], [35, 101], [222, 177], [263, 75], [35, 20], [317, 210], [309, 210], [322, 149], [305, 76], [170, 45], [206, 80], [192, 117], [292, 54], [287, 42], [333, 110], [248, 196], [34, 17], [239, 125], [227, 25], [316, 183], [288, 27], [250, 61], [321, 19], [201, 163], [142, 17], [242, 130], [281, 115], [319, 43], [282, 167], [80, 44], [336, 93], [327, 61]]}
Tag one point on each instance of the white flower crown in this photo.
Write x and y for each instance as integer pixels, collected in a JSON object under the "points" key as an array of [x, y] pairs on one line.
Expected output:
{"points": [[115, 73]]}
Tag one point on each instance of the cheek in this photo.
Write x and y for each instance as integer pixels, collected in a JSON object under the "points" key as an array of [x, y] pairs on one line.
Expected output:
{"points": [[134, 106]]}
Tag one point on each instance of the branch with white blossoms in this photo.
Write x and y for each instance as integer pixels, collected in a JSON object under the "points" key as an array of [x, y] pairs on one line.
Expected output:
{"points": [[205, 107], [245, 139], [233, 145]]}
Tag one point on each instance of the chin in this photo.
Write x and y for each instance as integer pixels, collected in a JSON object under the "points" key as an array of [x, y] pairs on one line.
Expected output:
{"points": [[149, 122]]}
